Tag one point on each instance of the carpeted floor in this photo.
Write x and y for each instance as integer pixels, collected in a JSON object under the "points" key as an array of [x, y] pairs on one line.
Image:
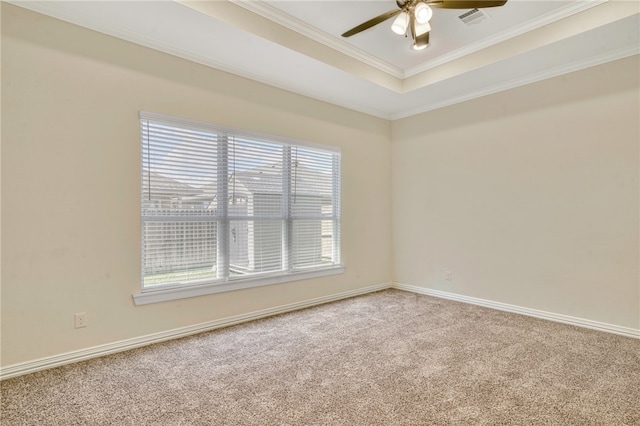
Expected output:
{"points": [[387, 358]]}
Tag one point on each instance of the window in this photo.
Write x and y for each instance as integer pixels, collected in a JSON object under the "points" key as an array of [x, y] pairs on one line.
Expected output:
{"points": [[224, 209]]}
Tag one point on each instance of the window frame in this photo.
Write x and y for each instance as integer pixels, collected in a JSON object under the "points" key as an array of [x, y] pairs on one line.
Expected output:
{"points": [[167, 292]]}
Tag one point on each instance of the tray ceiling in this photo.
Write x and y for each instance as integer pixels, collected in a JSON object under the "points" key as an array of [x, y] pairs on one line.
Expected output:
{"points": [[296, 45]]}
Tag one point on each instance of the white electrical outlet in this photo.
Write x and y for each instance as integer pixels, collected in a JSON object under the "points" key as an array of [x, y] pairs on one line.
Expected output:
{"points": [[448, 275], [80, 319]]}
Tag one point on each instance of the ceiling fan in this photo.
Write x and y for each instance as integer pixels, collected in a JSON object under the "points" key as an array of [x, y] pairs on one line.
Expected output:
{"points": [[414, 16]]}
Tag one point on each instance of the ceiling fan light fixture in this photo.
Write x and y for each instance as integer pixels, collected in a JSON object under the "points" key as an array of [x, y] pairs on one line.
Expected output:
{"points": [[400, 24], [423, 13], [416, 14]]}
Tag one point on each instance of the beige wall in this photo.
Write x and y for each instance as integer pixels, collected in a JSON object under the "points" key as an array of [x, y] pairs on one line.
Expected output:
{"points": [[70, 183], [529, 197]]}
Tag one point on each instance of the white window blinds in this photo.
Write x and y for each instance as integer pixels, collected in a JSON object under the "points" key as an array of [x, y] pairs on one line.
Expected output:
{"points": [[220, 205]]}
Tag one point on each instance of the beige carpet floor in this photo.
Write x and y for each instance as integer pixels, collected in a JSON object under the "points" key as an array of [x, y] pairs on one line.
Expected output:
{"points": [[387, 358]]}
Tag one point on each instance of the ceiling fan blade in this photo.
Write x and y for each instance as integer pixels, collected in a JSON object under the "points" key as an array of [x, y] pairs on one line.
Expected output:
{"points": [[467, 4], [371, 22]]}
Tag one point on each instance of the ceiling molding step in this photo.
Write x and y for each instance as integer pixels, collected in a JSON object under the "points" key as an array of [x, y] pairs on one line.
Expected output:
{"points": [[595, 14], [83, 21], [594, 17], [281, 18], [240, 17], [528, 79], [533, 24], [49, 8]]}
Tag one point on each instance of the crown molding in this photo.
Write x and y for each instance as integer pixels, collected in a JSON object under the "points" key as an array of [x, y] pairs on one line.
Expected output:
{"points": [[116, 31], [380, 111], [533, 24], [279, 17], [528, 79]]}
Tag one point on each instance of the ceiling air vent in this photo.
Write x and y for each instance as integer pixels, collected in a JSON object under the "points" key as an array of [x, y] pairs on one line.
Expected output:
{"points": [[473, 16]]}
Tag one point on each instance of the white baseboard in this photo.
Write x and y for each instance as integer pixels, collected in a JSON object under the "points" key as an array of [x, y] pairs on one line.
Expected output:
{"points": [[22, 368], [565, 319], [19, 369]]}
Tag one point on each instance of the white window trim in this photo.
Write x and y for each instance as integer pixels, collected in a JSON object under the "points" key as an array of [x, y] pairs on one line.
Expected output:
{"points": [[164, 294], [225, 284]]}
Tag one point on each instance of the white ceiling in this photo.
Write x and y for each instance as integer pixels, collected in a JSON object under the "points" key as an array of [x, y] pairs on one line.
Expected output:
{"points": [[296, 45]]}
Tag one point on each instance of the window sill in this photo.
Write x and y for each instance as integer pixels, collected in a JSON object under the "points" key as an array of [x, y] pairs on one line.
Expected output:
{"points": [[166, 294]]}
